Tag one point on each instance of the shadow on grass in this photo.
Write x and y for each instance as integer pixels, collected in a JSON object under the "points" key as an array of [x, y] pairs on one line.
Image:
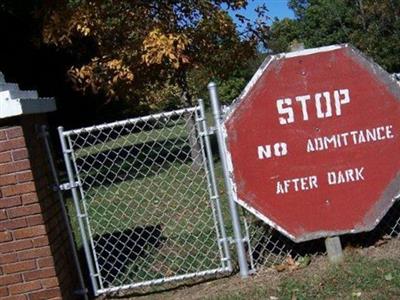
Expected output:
{"points": [[134, 161], [117, 251]]}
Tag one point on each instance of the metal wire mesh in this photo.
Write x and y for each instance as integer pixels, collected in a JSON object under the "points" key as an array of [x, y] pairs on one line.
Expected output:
{"points": [[144, 187], [267, 247]]}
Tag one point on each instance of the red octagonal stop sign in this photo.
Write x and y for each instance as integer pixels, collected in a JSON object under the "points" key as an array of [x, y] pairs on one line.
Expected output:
{"points": [[313, 143]]}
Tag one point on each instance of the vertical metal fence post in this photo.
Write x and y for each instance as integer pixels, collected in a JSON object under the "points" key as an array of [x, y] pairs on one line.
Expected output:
{"points": [[212, 88], [214, 188], [75, 197], [247, 238], [45, 135]]}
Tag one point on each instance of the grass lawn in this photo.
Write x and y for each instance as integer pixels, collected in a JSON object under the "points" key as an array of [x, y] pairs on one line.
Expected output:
{"points": [[367, 273], [359, 277]]}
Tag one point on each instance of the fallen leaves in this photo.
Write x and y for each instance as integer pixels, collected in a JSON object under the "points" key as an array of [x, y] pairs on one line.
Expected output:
{"points": [[291, 264]]}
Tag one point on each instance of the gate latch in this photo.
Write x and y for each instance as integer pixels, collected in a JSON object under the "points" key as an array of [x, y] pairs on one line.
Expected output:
{"points": [[67, 186]]}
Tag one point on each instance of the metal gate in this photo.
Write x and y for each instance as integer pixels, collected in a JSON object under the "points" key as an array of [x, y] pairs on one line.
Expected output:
{"points": [[146, 201]]}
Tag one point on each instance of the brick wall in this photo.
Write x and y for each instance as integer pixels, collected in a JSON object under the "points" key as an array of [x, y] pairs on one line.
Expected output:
{"points": [[35, 258]]}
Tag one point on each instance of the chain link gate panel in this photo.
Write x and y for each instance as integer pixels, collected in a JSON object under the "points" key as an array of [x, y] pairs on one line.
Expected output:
{"points": [[146, 200]]}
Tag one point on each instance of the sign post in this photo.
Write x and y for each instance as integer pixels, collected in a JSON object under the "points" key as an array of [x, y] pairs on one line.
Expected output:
{"points": [[334, 249], [212, 88], [312, 142]]}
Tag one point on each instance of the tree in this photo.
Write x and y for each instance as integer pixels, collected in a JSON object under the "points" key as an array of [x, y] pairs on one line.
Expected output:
{"points": [[299, 7], [378, 33], [145, 51], [282, 34], [372, 26]]}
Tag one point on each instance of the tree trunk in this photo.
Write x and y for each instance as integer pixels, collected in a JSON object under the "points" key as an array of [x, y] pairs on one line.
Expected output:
{"points": [[194, 142]]}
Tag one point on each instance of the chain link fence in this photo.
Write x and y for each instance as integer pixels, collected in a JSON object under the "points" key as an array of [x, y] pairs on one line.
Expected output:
{"points": [[148, 210], [142, 201], [268, 248]]}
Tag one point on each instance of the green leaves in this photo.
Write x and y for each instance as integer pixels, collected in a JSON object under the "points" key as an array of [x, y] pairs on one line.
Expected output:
{"points": [[372, 26], [136, 46]]}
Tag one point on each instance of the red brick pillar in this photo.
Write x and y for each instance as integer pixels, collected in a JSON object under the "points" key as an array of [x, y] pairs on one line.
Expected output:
{"points": [[35, 257]]}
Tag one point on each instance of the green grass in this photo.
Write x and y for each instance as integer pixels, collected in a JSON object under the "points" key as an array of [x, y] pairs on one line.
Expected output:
{"points": [[358, 278]]}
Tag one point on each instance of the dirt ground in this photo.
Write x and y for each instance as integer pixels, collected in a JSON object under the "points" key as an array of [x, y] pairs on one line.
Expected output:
{"points": [[269, 279]]}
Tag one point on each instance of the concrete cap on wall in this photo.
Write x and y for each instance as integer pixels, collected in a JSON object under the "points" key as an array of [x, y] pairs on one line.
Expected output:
{"points": [[15, 102]]}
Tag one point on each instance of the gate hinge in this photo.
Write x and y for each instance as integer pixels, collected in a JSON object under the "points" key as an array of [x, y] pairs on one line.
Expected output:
{"points": [[81, 292], [67, 186]]}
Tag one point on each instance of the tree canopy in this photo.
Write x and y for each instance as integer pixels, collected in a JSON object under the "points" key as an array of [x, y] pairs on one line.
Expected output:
{"points": [[372, 26], [104, 59], [132, 55]]}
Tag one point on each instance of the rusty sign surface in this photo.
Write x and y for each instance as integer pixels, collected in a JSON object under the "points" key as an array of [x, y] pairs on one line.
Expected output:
{"points": [[313, 143]]}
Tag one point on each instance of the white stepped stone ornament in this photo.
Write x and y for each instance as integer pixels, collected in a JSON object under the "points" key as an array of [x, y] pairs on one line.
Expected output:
{"points": [[18, 94], [4, 86], [15, 102]]}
